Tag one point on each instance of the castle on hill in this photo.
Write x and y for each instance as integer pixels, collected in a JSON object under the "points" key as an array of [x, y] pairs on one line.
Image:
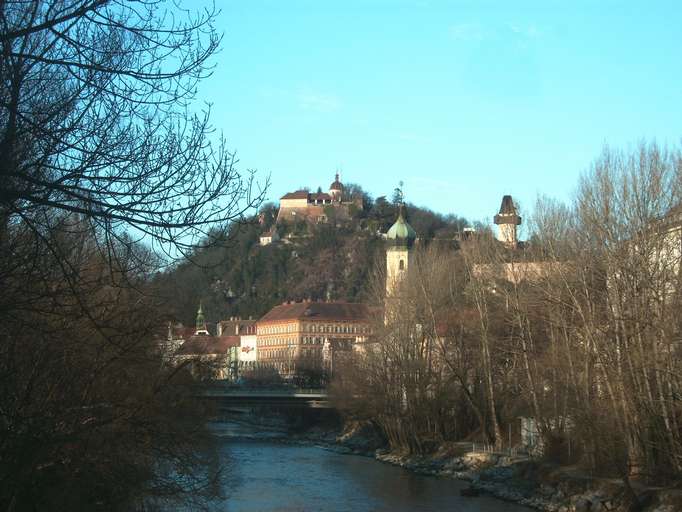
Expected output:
{"points": [[317, 207]]}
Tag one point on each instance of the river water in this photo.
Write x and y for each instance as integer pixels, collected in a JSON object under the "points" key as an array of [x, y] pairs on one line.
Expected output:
{"points": [[266, 475]]}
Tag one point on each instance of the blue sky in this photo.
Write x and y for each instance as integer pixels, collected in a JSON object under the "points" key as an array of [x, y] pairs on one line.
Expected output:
{"points": [[462, 101]]}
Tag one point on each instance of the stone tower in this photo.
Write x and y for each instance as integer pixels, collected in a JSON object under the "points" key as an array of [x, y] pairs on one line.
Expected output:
{"points": [[400, 239], [506, 221]]}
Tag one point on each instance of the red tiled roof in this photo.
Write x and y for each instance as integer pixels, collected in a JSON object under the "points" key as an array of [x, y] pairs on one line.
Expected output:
{"points": [[320, 196], [299, 194], [245, 326], [203, 345], [334, 311], [183, 332]]}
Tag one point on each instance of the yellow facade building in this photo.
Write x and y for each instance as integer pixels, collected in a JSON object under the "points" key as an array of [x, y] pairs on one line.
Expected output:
{"points": [[309, 330]]}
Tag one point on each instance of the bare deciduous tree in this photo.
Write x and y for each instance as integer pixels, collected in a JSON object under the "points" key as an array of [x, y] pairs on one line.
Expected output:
{"points": [[579, 329], [105, 169]]}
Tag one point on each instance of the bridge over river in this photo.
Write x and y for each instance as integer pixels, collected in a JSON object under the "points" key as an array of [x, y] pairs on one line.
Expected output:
{"points": [[237, 396]]}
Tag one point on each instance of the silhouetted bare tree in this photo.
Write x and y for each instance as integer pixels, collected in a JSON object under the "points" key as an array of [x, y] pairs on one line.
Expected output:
{"points": [[105, 173]]}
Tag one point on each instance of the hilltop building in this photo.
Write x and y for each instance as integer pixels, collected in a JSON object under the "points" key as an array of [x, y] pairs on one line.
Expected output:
{"points": [[317, 207], [296, 331]]}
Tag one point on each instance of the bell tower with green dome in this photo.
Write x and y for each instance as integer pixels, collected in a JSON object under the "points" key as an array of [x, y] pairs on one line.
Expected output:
{"points": [[400, 240], [201, 322]]}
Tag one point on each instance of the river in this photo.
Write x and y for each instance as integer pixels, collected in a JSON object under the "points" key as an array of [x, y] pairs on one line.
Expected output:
{"points": [[266, 475]]}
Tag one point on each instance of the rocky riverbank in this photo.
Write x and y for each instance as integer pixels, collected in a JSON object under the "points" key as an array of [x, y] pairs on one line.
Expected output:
{"points": [[535, 484], [538, 485]]}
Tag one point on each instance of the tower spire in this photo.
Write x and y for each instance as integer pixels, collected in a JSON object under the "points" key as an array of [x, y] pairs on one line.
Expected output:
{"points": [[201, 321]]}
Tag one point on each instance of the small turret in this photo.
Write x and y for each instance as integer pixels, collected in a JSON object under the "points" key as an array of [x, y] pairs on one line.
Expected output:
{"points": [[507, 220]]}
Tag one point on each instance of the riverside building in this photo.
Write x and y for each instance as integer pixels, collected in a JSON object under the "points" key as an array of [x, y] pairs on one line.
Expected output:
{"points": [[310, 332]]}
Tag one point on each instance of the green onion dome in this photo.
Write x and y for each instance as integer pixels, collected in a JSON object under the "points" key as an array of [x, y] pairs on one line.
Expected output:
{"points": [[401, 233]]}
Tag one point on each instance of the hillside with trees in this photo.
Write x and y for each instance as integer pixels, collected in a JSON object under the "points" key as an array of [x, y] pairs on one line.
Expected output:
{"points": [[239, 277]]}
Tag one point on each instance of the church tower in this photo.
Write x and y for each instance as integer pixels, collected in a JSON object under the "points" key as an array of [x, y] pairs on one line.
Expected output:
{"points": [[201, 322], [400, 239], [506, 221]]}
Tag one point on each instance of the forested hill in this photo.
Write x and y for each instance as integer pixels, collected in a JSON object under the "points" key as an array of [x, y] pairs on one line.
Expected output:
{"points": [[242, 278]]}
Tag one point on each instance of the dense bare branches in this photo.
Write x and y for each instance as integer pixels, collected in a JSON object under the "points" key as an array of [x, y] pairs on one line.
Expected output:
{"points": [[97, 120], [100, 147], [578, 330], [88, 412]]}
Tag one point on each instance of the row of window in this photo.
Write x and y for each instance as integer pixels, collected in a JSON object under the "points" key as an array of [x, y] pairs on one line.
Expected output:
{"points": [[269, 342], [305, 340], [280, 353], [313, 327], [310, 340], [276, 329], [335, 328]]}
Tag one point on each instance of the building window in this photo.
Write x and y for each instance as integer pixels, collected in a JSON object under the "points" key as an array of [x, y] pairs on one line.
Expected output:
{"points": [[401, 265]]}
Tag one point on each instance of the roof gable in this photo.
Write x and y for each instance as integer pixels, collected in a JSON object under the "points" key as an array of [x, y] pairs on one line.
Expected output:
{"points": [[205, 345], [299, 194], [328, 311]]}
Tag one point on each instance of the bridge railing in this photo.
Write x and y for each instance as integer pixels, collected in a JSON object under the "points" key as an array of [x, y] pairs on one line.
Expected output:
{"points": [[227, 386]]}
